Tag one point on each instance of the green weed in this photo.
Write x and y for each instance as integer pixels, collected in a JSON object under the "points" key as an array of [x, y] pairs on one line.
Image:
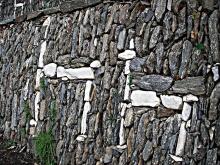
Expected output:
{"points": [[130, 78], [200, 46], [45, 148], [111, 118], [43, 85]]}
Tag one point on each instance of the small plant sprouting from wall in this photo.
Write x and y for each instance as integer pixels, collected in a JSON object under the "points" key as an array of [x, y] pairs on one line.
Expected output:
{"points": [[200, 46], [45, 148], [130, 78], [43, 85], [111, 118]]}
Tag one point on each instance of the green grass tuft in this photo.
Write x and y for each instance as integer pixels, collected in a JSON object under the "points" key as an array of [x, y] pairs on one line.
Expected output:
{"points": [[45, 148]]}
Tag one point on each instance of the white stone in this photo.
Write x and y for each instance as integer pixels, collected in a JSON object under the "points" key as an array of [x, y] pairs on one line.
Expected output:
{"points": [[25, 90], [77, 73], [186, 111], [176, 158], [127, 89], [127, 55], [81, 138], [65, 79], [122, 133], [131, 44], [190, 98], [144, 98], [50, 69], [129, 105], [169, 5], [121, 147], [88, 91], [181, 140], [215, 71], [47, 21], [127, 67], [172, 102], [38, 77], [42, 52], [36, 105], [33, 122], [47, 24], [123, 109], [188, 124], [95, 64], [87, 108], [211, 133], [95, 42]]}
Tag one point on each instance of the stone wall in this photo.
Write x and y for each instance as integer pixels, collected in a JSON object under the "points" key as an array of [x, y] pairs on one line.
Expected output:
{"points": [[118, 83]]}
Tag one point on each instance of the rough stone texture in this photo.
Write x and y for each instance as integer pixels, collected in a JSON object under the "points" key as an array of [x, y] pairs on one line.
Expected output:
{"points": [[193, 85], [176, 49], [214, 39], [154, 82]]}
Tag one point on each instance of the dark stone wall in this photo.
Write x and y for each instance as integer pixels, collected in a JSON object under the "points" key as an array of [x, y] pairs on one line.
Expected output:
{"points": [[115, 83], [10, 9]]}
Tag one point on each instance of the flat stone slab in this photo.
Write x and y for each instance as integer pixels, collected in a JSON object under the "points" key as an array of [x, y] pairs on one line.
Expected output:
{"points": [[193, 85], [85, 73], [154, 82], [144, 98], [172, 102]]}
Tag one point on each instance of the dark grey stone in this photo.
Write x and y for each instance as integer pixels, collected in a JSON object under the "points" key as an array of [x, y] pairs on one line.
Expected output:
{"points": [[214, 38], [160, 9], [148, 150], [181, 30], [137, 64], [167, 30], [69, 6], [193, 85], [154, 82], [34, 15], [217, 132], [211, 157], [160, 57], [214, 101], [155, 37], [186, 55]]}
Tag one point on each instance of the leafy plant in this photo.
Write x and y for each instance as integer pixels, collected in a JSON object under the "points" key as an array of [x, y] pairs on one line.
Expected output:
{"points": [[130, 78], [111, 118], [43, 85], [200, 46], [45, 148]]}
